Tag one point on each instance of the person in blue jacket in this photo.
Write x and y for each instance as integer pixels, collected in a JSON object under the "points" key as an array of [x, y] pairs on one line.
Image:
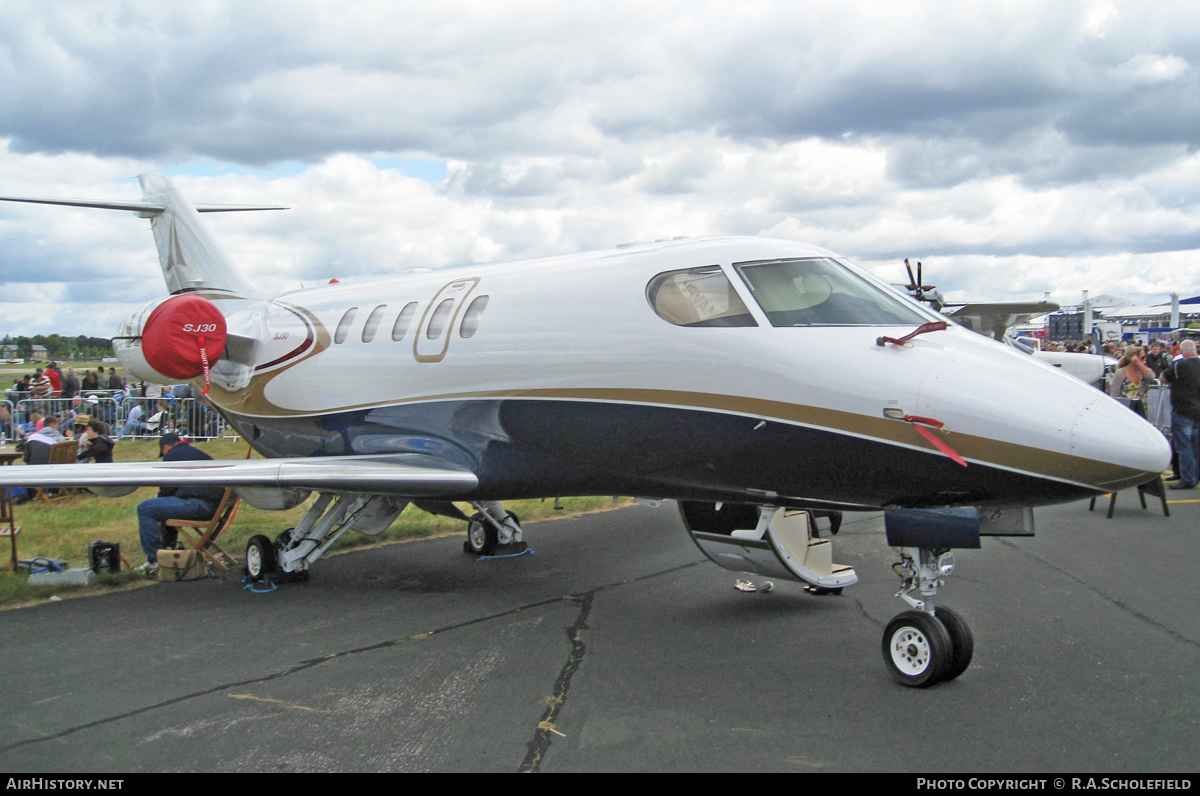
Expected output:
{"points": [[173, 503]]}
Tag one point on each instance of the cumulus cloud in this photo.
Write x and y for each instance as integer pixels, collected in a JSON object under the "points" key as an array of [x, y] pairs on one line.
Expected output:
{"points": [[1016, 143]]}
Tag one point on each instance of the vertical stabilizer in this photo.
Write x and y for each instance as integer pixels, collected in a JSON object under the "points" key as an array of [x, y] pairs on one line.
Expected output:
{"points": [[190, 256]]}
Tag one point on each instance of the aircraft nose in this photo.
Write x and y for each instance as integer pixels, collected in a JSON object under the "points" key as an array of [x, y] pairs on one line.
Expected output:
{"points": [[1106, 431], [1064, 429]]}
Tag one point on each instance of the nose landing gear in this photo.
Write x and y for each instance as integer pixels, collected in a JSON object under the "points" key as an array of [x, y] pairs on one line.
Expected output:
{"points": [[928, 644], [916, 649]]}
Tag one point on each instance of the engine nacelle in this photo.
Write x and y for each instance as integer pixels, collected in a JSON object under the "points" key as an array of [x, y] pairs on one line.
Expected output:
{"points": [[171, 340]]}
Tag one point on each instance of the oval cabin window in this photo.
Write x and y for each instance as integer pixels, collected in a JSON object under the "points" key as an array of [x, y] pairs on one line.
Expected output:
{"points": [[372, 324], [470, 321], [400, 328], [441, 315], [343, 327]]}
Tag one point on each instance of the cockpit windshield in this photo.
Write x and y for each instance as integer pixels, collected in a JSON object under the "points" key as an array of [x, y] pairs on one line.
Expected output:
{"points": [[820, 291]]}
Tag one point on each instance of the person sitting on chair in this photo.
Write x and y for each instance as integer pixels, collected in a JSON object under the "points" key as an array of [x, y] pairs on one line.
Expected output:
{"points": [[38, 444], [95, 443], [135, 423], [173, 503]]}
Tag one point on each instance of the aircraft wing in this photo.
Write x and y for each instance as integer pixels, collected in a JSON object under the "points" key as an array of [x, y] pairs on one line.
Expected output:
{"points": [[992, 319], [411, 475]]}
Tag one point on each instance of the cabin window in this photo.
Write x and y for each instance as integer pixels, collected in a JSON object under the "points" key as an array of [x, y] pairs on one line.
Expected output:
{"points": [[400, 327], [437, 322], [372, 324], [470, 321], [820, 291], [697, 297], [343, 327]]}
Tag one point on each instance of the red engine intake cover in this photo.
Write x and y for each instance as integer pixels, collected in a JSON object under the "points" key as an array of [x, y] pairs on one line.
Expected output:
{"points": [[175, 333]]}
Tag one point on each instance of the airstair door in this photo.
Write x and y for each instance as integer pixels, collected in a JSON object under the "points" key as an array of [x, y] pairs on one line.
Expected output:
{"points": [[781, 545]]}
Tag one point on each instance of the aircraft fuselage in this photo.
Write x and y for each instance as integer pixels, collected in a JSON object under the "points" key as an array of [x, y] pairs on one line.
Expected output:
{"points": [[566, 380]]}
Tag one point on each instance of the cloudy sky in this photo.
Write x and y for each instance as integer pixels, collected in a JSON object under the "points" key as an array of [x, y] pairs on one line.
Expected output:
{"points": [[1015, 147]]}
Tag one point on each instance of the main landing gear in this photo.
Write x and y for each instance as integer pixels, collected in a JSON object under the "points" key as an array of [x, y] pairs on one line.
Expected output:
{"points": [[493, 530], [295, 550], [928, 644], [260, 557]]}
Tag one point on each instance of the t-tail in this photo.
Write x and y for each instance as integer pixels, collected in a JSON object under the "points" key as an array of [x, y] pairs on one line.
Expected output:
{"points": [[191, 258], [180, 336]]}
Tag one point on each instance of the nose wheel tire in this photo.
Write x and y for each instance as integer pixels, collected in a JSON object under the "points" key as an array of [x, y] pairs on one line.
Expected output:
{"points": [[917, 649], [260, 557], [962, 643]]}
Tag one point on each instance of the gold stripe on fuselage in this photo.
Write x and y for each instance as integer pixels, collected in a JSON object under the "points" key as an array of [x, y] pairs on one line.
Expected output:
{"points": [[982, 450]]}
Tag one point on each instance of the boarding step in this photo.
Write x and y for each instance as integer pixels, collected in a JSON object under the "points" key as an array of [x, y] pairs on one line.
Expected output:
{"points": [[786, 550]]}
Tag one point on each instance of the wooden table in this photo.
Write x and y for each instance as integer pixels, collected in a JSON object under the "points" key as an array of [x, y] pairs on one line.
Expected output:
{"points": [[7, 526]]}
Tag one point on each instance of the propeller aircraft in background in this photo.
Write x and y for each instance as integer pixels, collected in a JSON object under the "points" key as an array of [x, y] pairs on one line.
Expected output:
{"points": [[995, 319]]}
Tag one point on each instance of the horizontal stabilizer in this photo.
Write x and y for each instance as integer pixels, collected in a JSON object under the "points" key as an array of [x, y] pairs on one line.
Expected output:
{"points": [[146, 208], [408, 475]]}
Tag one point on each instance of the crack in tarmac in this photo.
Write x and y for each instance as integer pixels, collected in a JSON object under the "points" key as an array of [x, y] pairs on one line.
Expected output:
{"points": [[541, 741]]}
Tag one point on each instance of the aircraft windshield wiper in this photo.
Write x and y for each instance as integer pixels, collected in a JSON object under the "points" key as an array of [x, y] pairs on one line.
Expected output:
{"points": [[932, 326]]}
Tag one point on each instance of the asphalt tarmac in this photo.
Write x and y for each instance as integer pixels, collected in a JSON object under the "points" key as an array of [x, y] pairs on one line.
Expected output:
{"points": [[616, 646]]}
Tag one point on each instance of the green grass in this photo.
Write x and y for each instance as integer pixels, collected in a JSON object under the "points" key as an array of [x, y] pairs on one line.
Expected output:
{"points": [[64, 529]]}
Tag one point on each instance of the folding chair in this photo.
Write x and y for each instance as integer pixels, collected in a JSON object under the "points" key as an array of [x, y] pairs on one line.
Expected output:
{"points": [[202, 535], [60, 453]]}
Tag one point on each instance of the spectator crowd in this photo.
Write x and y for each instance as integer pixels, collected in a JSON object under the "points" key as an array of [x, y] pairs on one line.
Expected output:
{"points": [[73, 402]]}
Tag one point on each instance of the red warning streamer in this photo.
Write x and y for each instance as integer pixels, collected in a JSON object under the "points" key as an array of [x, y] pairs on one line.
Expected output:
{"points": [[932, 326], [919, 423], [204, 361]]}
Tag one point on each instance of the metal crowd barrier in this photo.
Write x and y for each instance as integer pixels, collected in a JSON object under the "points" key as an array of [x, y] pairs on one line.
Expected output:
{"points": [[66, 409], [8, 424], [16, 395], [144, 418], [134, 417], [101, 393], [1158, 408]]}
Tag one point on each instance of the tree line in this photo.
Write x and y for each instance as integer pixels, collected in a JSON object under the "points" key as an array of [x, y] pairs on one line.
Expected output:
{"points": [[59, 347]]}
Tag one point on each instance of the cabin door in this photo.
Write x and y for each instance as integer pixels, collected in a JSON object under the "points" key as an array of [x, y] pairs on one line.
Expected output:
{"points": [[440, 320]]}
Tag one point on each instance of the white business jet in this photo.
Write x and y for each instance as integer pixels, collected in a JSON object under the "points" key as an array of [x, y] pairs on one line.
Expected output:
{"points": [[752, 380]]}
